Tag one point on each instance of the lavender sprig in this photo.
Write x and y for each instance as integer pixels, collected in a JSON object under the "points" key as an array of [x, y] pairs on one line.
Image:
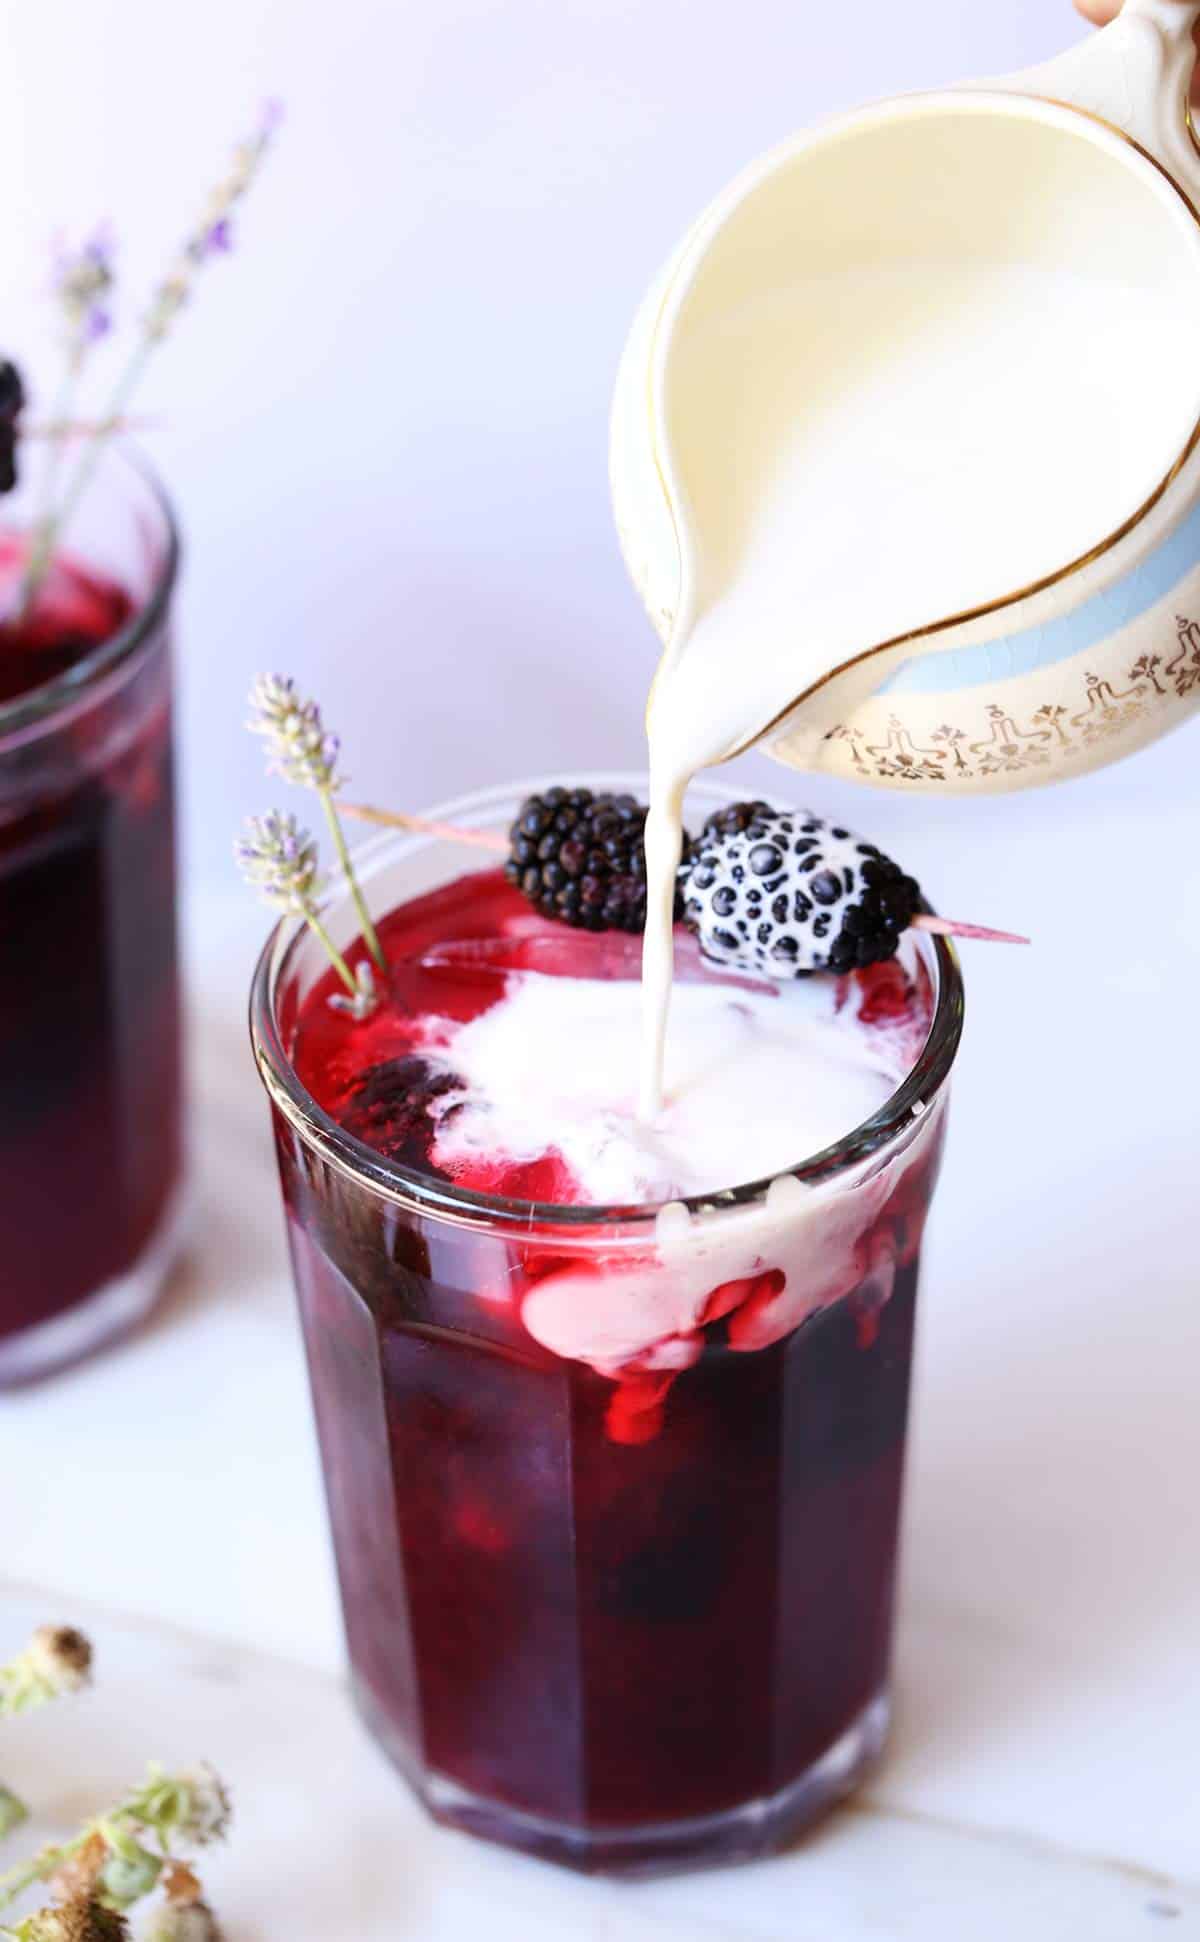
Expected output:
{"points": [[279, 860], [302, 750], [213, 233], [211, 236]]}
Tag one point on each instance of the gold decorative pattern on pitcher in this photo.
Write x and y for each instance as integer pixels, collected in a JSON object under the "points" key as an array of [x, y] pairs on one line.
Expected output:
{"points": [[901, 756], [1108, 711], [1183, 670], [1009, 748], [1007, 741]]}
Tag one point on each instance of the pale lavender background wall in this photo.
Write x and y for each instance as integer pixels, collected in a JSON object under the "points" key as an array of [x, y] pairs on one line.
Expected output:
{"points": [[385, 421]]}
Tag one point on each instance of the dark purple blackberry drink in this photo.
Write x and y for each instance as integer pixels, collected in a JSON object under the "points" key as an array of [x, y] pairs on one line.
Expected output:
{"points": [[613, 1424], [89, 1001]]}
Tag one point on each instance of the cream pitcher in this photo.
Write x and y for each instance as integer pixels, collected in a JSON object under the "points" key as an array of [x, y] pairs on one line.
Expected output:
{"points": [[906, 437]]}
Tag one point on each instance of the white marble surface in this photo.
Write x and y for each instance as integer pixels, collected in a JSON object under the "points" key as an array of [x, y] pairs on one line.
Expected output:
{"points": [[1043, 1781], [328, 1847]]}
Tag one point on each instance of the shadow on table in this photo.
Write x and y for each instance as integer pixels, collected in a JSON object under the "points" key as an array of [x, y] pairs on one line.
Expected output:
{"points": [[236, 1249], [1049, 1568]]}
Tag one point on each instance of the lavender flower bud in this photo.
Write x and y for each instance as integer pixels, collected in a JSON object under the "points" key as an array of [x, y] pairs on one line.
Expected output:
{"points": [[279, 859], [213, 233], [301, 748], [83, 282]]}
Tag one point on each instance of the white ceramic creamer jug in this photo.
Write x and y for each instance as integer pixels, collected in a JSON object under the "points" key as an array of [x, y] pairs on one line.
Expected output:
{"points": [[1078, 637]]}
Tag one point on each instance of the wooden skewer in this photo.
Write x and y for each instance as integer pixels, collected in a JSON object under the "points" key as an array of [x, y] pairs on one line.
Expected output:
{"points": [[487, 839], [84, 427], [948, 927], [481, 839]]}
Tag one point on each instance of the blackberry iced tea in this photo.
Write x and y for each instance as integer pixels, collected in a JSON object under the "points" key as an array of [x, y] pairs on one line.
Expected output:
{"points": [[89, 1106], [614, 1489]]}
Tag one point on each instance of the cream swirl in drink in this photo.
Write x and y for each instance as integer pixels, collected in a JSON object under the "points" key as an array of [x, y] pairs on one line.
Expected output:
{"points": [[756, 1075], [503, 1061]]}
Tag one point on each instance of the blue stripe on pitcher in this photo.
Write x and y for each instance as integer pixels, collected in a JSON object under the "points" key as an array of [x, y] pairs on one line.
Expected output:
{"points": [[1038, 647]]}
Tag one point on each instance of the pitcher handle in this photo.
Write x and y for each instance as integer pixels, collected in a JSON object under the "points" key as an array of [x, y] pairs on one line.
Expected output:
{"points": [[1133, 74]]}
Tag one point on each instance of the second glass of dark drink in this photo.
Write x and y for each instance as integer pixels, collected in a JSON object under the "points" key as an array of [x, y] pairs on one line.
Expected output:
{"points": [[89, 1006], [614, 1491]]}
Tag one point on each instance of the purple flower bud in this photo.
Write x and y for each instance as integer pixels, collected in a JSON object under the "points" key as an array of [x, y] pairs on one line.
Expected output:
{"points": [[280, 860], [82, 282], [300, 750]]}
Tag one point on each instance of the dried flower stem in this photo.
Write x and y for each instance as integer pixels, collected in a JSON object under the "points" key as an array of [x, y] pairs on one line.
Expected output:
{"points": [[43, 523], [331, 950], [190, 1808], [348, 872]]}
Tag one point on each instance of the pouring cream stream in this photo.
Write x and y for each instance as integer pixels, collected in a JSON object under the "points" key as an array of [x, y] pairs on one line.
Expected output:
{"points": [[879, 446]]}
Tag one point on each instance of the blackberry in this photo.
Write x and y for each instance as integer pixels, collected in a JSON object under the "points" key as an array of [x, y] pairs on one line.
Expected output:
{"points": [[581, 858], [12, 403], [783, 892], [735, 818], [390, 1107]]}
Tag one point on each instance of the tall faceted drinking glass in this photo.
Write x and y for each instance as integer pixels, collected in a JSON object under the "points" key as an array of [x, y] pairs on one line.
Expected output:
{"points": [[90, 1148], [627, 1618]]}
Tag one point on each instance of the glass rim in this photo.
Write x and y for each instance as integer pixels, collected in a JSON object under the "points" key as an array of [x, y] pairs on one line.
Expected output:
{"points": [[900, 1113], [48, 700]]}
